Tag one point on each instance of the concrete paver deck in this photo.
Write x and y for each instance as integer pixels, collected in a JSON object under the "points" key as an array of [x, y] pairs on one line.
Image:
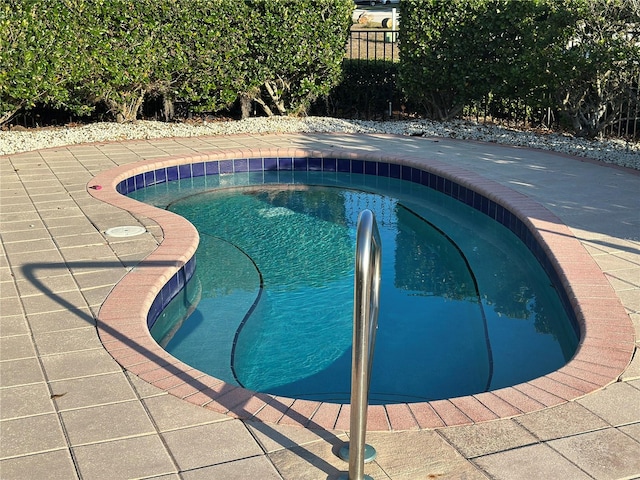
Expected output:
{"points": [[68, 410]]}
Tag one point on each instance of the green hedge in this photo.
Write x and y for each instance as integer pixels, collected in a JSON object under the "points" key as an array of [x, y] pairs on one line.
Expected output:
{"points": [[459, 51], [296, 51], [580, 57], [76, 54], [365, 90], [38, 56]]}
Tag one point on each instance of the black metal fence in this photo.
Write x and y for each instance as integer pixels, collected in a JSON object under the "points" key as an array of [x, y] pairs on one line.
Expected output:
{"points": [[370, 91], [624, 123], [373, 45], [628, 125]]}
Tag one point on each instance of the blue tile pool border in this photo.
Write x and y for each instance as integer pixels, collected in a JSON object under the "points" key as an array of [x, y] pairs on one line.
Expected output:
{"points": [[447, 186]]}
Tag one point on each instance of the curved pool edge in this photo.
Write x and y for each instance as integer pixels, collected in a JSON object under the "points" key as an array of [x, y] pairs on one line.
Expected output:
{"points": [[605, 349]]}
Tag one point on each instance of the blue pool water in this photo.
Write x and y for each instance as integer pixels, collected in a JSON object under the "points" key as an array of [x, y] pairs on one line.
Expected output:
{"points": [[464, 307]]}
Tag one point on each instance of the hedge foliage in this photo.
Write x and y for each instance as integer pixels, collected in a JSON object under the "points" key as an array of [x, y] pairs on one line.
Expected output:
{"points": [[581, 57], [77, 54], [456, 51], [365, 90]]}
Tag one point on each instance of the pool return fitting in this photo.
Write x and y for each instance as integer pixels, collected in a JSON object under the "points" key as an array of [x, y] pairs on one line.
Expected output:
{"points": [[365, 325]]}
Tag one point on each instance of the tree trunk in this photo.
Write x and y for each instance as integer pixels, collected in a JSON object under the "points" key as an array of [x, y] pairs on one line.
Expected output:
{"points": [[272, 90], [264, 106], [245, 105], [168, 110], [127, 109]]}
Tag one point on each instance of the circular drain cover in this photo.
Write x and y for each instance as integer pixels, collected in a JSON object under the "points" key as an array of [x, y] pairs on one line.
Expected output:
{"points": [[131, 231]]}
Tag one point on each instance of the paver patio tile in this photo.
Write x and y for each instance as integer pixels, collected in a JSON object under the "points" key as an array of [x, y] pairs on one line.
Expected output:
{"points": [[561, 421], [604, 454], [24, 400], [114, 218], [317, 460], [30, 246], [144, 389], [171, 476], [22, 225], [533, 462], [20, 372], [622, 280], [79, 364], [46, 281], [13, 325], [56, 465], [614, 404], [67, 224], [10, 306], [50, 198], [90, 257], [63, 341], [412, 454], [94, 265], [16, 347], [171, 413], [30, 435], [60, 320], [631, 299], [8, 286], [132, 260], [255, 467], [608, 243], [91, 391], [485, 438], [104, 277], [32, 264], [64, 231], [95, 297], [274, 437], [25, 235], [106, 422], [36, 174], [632, 430], [52, 302], [615, 262], [66, 212], [193, 454], [633, 370], [12, 192], [37, 188], [81, 239], [138, 457], [6, 275], [18, 207], [9, 217], [47, 206]]}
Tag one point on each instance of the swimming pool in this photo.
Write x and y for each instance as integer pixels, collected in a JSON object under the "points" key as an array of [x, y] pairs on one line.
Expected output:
{"points": [[606, 334], [465, 306]]}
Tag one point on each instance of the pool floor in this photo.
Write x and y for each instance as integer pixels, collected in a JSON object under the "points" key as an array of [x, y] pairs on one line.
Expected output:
{"points": [[274, 292]]}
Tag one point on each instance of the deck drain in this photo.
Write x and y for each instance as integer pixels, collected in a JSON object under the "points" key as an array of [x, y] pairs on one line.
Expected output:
{"points": [[127, 231]]}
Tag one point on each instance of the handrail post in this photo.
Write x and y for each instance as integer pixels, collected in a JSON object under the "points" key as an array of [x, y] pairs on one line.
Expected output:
{"points": [[365, 325]]}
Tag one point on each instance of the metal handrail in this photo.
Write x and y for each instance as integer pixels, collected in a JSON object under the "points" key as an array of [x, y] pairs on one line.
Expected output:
{"points": [[365, 326]]}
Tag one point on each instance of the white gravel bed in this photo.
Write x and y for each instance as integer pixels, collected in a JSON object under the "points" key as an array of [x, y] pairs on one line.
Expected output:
{"points": [[616, 152]]}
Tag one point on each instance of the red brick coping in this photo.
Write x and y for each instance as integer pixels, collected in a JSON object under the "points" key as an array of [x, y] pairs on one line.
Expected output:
{"points": [[605, 349]]}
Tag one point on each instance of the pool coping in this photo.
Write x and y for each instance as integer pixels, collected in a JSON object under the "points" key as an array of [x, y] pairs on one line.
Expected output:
{"points": [[605, 349]]}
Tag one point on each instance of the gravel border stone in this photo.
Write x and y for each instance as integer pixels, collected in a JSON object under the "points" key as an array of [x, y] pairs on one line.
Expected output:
{"points": [[612, 151]]}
